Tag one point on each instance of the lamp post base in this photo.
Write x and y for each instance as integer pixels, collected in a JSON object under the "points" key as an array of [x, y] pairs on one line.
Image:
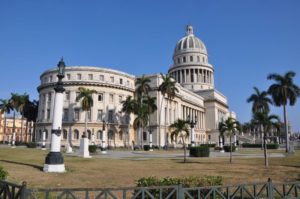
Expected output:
{"points": [[55, 168]]}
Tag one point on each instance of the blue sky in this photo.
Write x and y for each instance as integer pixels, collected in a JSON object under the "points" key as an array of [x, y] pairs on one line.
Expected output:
{"points": [[246, 40]]}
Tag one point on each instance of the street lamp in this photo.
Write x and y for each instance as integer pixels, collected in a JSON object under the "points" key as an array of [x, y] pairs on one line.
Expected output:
{"points": [[192, 123], [54, 161], [103, 150]]}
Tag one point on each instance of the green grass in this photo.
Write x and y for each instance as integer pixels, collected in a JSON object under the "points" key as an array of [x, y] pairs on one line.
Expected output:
{"points": [[25, 164]]}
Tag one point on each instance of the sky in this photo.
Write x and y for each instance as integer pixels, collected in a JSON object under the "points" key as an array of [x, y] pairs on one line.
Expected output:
{"points": [[246, 41]]}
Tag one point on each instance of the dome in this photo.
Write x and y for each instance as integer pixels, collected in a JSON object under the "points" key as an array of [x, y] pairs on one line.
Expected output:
{"points": [[190, 43]]}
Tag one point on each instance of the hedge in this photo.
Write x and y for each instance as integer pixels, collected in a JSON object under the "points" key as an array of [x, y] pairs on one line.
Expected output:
{"points": [[92, 148], [3, 174], [227, 148], [146, 147], [209, 145], [31, 145], [269, 146], [191, 181], [199, 151]]}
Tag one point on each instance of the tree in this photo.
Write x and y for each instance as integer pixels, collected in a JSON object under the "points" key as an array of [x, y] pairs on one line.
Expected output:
{"points": [[86, 98], [5, 108], [141, 119], [168, 89], [128, 107], [229, 127], [31, 113], [284, 92], [150, 103], [180, 129], [142, 86], [267, 122], [14, 103], [23, 100], [260, 101]]}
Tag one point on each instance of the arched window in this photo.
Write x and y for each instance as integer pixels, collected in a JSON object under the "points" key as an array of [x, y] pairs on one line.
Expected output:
{"points": [[65, 134], [76, 134], [89, 134]]}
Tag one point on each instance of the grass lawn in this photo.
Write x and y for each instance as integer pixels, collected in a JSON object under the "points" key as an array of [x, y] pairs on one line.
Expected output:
{"points": [[25, 164]]}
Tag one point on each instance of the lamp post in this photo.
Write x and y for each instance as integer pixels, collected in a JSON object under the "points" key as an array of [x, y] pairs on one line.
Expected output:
{"points": [[192, 123], [104, 147], [54, 161]]}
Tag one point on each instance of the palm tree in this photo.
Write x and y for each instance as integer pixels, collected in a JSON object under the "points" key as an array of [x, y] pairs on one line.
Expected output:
{"points": [[167, 88], [260, 101], [23, 100], [141, 120], [86, 102], [128, 107], [283, 91], [5, 108], [142, 86], [267, 122], [31, 113], [229, 126], [180, 129], [14, 103], [151, 105]]}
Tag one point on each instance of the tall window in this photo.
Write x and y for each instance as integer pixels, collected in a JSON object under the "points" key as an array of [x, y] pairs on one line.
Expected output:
{"points": [[48, 114], [76, 134], [145, 136], [198, 58], [99, 135], [77, 94], [191, 58], [100, 97], [65, 115], [68, 76], [50, 78], [65, 134], [67, 96], [121, 135], [121, 81], [76, 114], [78, 76], [90, 76], [89, 116], [120, 98], [110, 135], [184, 59], [99, 115], [111, 98], [110, 116], [178, 60]]}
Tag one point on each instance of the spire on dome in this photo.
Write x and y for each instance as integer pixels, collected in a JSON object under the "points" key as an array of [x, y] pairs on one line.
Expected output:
{"points": [[189, 30]]}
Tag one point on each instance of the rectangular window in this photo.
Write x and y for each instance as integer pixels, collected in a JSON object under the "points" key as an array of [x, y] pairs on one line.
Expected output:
{"points": [[110, 116], [191, 58], [198, 59], [111, 98], [99, 115], [65, 115], [67, 96], [48, 114], [121, 81], [76, 114], [100, 97], [184, 59], [77, 94], [50, 78], [90, 76], [68, 76], [43, 115], [178, 60], [112, 79], [78, 76], [120, 98], [101, 78]]}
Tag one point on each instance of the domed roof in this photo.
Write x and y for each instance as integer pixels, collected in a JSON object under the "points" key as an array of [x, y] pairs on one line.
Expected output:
{"points": [[190, 43]]}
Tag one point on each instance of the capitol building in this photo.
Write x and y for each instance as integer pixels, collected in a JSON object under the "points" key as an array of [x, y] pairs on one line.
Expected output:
{"points": [[196, 98]]}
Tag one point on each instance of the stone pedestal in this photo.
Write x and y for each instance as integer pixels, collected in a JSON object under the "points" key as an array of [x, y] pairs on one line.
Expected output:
{"points": [[84, 148], [44, 141], [69, 149]]}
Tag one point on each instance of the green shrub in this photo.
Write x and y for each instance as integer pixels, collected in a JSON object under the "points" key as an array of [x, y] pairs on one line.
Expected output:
{"points": [[217, 148], [3, 174], [191, 181], [92, 148], [227, 148], [146, 147], [209, 145], [269, 146], [199, 151], [31, 145]]}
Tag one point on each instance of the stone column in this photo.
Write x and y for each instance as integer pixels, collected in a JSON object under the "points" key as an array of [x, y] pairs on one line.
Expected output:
{"points": [[104, 138], [13, 144], [44, 140], [150, 140]]}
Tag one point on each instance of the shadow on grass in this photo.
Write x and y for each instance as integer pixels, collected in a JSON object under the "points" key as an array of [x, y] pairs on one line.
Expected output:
{"points": [[25, 164]]}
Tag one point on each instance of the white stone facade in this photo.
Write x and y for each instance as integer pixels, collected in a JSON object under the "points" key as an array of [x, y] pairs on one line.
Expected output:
{"points": [[196, 98]]}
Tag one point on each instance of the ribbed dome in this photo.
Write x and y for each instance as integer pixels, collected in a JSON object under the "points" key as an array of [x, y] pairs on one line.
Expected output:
{"points": [[190, 43]]}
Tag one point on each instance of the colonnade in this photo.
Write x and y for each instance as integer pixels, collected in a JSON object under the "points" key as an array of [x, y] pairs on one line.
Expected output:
{"points": [[193, 75], [194, 114]]}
